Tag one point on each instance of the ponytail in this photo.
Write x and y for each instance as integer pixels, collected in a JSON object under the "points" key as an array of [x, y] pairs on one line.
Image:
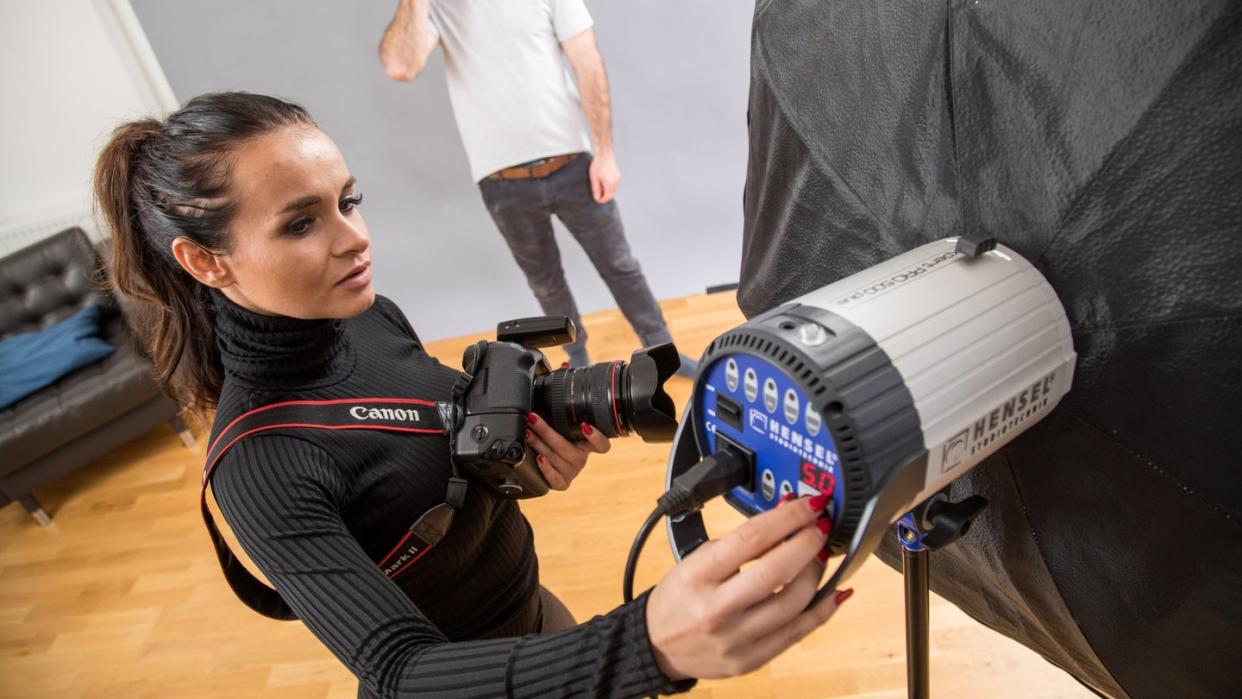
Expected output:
{"points": [[156, 182]]}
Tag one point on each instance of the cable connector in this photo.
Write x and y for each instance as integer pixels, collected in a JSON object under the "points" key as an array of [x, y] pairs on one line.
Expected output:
{"points": [[728, 467], [732, 465]]}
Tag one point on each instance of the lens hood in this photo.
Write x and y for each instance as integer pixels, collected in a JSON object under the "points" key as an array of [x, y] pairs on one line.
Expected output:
{"points": [[652, 414]]}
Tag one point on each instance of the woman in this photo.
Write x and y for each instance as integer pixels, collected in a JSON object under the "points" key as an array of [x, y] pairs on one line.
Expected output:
{"points": [[238, 219]]}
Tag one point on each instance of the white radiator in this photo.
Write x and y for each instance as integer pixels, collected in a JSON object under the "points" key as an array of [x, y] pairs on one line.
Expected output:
{"points": [[17, 234]]}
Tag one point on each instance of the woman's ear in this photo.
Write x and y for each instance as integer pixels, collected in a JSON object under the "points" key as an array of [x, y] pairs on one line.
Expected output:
{"points": [[201, 264]]}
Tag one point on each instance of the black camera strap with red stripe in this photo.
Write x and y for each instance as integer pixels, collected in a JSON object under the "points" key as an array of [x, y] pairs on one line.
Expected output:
{"points": [[408, 415]]}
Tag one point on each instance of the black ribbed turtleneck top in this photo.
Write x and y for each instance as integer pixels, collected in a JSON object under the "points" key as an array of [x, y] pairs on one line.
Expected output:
{"points": [[316, 509]]}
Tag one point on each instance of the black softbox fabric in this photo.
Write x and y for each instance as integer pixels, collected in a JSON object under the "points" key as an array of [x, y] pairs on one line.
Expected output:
{"points": [[1102, 140]]}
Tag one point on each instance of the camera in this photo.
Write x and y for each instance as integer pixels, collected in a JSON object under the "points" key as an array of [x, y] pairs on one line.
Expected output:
{"points": [[505, 380]]}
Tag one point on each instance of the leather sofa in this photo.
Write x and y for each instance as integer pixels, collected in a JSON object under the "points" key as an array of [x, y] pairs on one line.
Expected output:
{"points": [[91, 411]]}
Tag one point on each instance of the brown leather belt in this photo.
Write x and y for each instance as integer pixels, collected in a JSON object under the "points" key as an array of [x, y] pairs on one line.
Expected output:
{"points": [[535, 168]]}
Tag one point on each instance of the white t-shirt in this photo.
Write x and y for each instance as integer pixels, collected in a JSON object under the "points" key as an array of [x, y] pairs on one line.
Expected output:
{"points": [[512, 88]]}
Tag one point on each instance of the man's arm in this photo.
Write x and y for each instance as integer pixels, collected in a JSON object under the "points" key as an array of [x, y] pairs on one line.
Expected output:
{"points": [[588, 68], [408, 41]]}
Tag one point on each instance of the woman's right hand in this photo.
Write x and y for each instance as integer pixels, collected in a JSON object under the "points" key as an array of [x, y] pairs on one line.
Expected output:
{"points": [[708, 618]]}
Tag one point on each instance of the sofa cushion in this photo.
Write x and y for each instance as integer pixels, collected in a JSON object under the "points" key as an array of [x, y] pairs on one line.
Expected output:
{"points": [[31, 361], [49, 281], [76, 404]]}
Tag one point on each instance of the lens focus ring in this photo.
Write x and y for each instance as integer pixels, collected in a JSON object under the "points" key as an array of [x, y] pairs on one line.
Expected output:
{"points": [[566, 398], [554, 401], [604, 412]]}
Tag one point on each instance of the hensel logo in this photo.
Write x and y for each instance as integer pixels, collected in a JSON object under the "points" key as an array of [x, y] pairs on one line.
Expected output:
{"points": [[359, 412], [1013, 412], [997, 423], [1016, 409]]}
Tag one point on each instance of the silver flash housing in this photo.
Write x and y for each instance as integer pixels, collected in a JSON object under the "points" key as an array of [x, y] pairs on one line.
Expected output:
{"points": [[880, 388]]}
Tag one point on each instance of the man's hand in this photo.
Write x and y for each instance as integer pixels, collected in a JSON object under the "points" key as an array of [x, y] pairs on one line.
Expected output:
{"points": [[605, 177], [408, 41], [584, 58]]}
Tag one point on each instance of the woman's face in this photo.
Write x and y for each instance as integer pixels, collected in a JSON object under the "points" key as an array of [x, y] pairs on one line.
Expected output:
{"points": [[298, 245]]}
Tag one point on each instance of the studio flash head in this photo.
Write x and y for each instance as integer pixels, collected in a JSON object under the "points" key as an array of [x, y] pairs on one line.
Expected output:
{"points": [[878, 389]]}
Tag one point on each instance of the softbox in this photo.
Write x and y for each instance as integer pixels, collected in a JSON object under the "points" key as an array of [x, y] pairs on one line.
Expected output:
{"points": [[1103, 142]]}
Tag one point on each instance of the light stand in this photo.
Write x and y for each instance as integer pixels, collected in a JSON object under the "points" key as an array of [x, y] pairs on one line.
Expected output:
{"points": [[934, 523]]}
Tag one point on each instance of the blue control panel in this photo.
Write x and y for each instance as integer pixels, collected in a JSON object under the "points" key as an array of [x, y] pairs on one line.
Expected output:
{"points": [[754, 404]]}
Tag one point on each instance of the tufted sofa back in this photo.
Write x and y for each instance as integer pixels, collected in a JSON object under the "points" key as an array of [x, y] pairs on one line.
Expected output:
{"points": [[48, 281]]}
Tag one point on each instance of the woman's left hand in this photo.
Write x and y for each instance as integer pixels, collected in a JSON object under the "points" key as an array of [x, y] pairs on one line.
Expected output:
{"points": [[559, 459]]}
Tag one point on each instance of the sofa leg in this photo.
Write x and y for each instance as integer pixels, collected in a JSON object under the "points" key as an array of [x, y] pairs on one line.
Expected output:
{"points": [[182, 430], [36, 510]]}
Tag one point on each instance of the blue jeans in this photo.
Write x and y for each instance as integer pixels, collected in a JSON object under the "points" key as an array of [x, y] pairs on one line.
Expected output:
{"points": [[523, 211]]}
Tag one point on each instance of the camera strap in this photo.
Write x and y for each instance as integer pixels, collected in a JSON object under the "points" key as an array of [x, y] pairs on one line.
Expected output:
{"points": [[407, 415]]}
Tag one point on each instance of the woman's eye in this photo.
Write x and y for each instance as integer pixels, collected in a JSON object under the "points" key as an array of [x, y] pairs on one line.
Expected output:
{"points": [[348, 204], [301, 225]]}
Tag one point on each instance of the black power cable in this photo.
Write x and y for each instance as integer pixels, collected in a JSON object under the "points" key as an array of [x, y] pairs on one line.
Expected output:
{"points": [[730, 466], [631, 562]]}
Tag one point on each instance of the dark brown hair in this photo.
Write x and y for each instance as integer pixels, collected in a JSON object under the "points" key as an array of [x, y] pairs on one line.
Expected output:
{"points": [[157, 181]]}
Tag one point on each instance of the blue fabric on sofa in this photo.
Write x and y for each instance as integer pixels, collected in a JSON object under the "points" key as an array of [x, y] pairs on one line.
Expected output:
{"points": [[30, 361]]}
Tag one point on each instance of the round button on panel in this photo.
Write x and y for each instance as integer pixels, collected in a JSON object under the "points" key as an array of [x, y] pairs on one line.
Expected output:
{"points": [[786, 489], [731, 374], [813, 420], [769, 395], [750, 384], [768, 483], [792, 406]]}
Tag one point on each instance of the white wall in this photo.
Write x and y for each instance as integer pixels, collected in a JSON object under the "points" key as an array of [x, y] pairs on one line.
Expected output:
{"points": [[679, 74], [70, 70]]}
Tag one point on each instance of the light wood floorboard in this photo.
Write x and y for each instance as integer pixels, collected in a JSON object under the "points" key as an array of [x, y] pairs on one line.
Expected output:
{"points": [[122, 597]]}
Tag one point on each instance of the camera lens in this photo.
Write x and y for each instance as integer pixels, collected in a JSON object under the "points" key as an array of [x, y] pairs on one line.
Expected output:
{"points": [[616, 397]]}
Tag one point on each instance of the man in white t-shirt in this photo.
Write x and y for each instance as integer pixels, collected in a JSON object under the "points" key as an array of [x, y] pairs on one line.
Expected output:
{"points": [[539, 143]]}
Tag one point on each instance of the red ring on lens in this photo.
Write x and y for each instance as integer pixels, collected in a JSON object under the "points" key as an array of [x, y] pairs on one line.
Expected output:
{"points": [[612, 376]]}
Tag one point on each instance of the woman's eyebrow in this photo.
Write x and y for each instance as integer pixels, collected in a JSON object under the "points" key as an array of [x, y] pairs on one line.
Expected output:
{"points": [[303, 202]]}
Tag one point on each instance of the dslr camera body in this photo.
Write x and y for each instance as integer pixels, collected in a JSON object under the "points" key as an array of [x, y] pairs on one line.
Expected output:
{"points": [[505, 380]]}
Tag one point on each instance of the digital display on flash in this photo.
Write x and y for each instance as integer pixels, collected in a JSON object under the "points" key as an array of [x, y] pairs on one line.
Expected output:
{"points": [[817, 478]]}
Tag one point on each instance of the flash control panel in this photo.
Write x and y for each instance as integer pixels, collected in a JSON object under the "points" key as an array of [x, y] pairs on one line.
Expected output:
{"points": [[750, 402]]}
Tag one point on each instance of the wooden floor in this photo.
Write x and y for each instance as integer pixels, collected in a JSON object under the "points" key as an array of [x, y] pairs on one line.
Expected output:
{"points": [[122, 597]]}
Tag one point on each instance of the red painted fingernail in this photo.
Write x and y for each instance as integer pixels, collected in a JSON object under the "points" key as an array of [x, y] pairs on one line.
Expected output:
{"points": [[819, 502], [541, 459], [786, 498], [823, 555], [842, 596], [824, 526], [586, 429], [564, 365], [530, 417]]}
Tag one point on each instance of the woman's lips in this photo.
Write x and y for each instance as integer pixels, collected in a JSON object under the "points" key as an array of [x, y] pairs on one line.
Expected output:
{"points": [[361, 277]]}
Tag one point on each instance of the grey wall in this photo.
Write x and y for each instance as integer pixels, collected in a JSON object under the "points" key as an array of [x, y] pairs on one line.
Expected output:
{"points": [[679, 73]]}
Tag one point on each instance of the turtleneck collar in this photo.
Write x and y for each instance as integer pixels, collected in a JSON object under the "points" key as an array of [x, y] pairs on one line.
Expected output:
{"points": [[280, 352]]}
